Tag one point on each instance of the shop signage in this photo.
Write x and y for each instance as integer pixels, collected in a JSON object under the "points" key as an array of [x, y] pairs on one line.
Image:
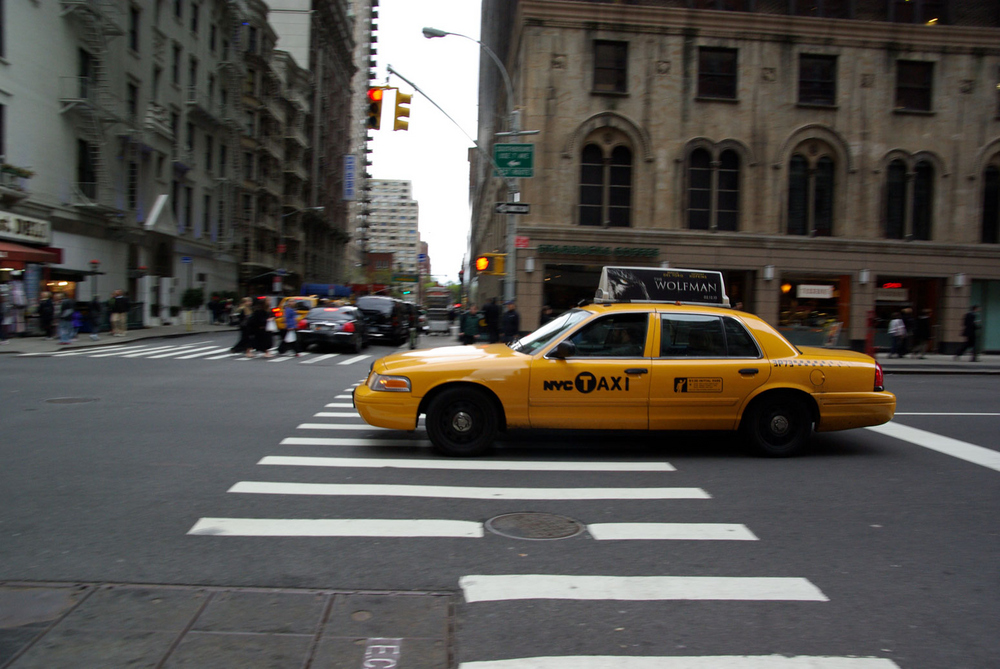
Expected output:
{"points": [[892, 295], [814, 292], [620, 251], [522, 242], [25, 228]]}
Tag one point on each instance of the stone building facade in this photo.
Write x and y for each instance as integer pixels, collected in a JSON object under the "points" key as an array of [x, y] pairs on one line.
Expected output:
{"points": [[838, 161]]}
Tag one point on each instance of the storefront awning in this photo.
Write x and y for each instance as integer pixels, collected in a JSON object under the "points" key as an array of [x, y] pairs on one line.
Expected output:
{"points": [[23, 254]]}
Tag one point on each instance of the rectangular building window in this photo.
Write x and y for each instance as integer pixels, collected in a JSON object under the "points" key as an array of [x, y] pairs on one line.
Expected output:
{"points": [[212, 30], [3, 128], [190, 136], [86, 173], [205, 214], [178, 9], [918, 11], [194, 17], [220, 220], [248, 166], [250, 83], [817, 79], [132, 194], [133, 28], [208, 152], [223, 150], [175, 193], [132, 103], [717, 73], [830, 9], [188, 197], [914, 85], [192, 77], [610, 67], [175, 66], [721, 5], [252, 40], [157, 75]]}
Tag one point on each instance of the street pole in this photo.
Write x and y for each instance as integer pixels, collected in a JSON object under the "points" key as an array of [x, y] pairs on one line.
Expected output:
{"points": [[513, 195]]}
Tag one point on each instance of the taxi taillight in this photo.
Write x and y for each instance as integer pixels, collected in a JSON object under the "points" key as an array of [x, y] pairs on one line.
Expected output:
{"points": [[276, 311], [879, 378]]}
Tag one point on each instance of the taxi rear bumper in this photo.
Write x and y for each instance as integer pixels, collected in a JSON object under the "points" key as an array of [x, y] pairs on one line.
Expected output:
{"points": [[844, 411], [396, 411]]}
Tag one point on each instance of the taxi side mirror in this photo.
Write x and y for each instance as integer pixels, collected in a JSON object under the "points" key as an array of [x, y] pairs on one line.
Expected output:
{"points": [[564, 349]]}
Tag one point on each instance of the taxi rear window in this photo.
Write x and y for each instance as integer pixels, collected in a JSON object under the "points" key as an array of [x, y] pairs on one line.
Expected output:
{"points": [[704, 336]]}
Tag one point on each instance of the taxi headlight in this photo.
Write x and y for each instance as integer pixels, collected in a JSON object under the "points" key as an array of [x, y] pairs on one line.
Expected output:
{"points": [[389, 384]]}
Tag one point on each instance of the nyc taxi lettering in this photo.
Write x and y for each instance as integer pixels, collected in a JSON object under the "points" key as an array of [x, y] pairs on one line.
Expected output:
{"points": [[586, 382], [697, 385], [808, 363]]}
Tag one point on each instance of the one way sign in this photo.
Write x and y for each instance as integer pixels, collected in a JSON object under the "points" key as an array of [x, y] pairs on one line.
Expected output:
{"points": [[511, 208]]}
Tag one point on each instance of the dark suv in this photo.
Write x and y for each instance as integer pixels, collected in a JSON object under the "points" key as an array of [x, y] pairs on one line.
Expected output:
{"points": [[387, 318]]}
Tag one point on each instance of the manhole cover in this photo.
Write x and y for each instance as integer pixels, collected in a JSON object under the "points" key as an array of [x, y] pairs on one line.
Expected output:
{"points": [[535, 526], [71, 400]]}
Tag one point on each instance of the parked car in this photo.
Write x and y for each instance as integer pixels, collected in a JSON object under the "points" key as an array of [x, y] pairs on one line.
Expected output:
{"points": [[326, 327], [387, 318]]}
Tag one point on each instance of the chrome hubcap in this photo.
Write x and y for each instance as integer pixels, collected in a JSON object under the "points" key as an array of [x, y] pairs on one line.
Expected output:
{"points": [[461, 422], [779, 425]]}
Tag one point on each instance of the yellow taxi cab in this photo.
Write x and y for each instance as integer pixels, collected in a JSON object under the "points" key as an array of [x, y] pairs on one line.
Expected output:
{"points": [[302, 306], [632, 361]]}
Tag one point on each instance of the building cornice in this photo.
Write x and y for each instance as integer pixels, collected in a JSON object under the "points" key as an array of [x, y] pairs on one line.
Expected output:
{"points": [[756, 26]]}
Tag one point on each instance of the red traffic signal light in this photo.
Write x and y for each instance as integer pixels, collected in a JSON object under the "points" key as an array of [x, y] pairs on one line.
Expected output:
{"points": [[482, 263], [374, 120]]}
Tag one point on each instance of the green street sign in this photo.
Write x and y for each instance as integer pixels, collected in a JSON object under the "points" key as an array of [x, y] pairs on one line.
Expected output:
{"points": [[514, 160], [405, 278]]}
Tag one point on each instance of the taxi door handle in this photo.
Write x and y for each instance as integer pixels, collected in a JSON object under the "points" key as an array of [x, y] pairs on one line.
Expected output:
{"points": [[636, 370], [749, 371]]}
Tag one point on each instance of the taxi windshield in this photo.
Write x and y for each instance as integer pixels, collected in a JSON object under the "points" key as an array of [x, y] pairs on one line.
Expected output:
{"points": [[545, 334]]}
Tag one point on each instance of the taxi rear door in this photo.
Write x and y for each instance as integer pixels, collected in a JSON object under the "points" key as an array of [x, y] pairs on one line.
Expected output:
{"points": [[705, 367], [603, 385]]}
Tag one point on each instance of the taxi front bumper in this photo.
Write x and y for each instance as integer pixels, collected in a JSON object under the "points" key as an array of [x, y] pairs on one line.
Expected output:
{"points": [[844, 411], [395, 411]]}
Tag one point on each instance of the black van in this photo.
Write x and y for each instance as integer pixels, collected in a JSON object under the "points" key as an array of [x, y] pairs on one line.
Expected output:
{"points": [[387, 318]]}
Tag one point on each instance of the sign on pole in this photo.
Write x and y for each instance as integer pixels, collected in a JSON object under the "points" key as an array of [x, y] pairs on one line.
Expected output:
{"points": [[350, 177], [514, 160], [521, 242], [512, 208]]}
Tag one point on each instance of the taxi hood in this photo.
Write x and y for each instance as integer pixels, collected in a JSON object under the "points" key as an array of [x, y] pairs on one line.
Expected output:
{"points": [[444, 355]]}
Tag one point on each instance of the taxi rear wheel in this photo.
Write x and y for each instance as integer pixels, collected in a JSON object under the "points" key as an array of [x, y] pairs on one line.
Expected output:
{"points": [[778, 426], [461, 422]]}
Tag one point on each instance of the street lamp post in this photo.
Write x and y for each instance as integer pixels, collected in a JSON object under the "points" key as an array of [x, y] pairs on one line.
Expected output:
{"points": [[514, 128]]}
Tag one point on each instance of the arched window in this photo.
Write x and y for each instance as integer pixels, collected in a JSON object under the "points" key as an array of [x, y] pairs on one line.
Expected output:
{"points": [[606, 187], [991, 205], [895, 200], [810, 196], [923, 200], [909, 201], [713, 200]]}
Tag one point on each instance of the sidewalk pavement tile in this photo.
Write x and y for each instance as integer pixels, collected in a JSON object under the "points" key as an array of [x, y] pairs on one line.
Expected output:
{"points": [[203, 650], [263, 613]]}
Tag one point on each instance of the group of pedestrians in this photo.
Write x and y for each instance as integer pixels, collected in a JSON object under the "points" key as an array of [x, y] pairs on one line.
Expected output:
{"points": [[258, 328], [910, 336], [505, 327]]}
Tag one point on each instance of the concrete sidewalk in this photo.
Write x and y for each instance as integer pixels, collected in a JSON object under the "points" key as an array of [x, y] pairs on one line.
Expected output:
{"points": [[933, 363], [97, 626]]}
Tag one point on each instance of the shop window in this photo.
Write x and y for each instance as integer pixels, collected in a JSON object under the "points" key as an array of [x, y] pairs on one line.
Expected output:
{"points": [[913, 85], [610, 67], [810, 196], [605, 186], [717, 73], [830, 9], [991, 205], [713, 191], [817, 79]]}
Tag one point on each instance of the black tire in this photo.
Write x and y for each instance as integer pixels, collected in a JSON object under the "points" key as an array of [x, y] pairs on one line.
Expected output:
{"points": [[461, 423], [777, 426]]}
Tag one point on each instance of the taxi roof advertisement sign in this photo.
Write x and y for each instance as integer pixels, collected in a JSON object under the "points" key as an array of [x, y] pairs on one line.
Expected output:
{"points": [[654, 284]]}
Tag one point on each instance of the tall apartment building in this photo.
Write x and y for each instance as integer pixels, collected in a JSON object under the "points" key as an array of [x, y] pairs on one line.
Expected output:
{"points": [[365, 51], [838, 161], [392, 224], [166, 145]]}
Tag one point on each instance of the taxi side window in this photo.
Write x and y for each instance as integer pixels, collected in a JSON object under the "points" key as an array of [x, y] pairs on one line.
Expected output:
{"points": [[691, 336], [738, 341], [615, 336]]}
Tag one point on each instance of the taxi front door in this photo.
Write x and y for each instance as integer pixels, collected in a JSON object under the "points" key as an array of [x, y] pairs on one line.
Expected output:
{"points": [[705, 369], [605, 386]]}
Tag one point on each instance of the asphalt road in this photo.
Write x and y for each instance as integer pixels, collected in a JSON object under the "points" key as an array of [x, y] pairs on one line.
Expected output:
{"points": [[870, 546]]}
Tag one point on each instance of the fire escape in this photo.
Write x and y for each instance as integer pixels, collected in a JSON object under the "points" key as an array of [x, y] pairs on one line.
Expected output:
{"points": [[88, 97], [232, 74]]}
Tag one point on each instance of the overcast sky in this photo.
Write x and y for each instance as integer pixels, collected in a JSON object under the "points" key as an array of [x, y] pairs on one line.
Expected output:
{"points": [[433, 153]]}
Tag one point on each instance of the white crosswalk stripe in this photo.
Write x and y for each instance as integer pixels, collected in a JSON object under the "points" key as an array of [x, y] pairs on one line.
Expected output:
{"points": [[351, 361], [325, 356], [159, 349], [479, 465], [684, 662], [334, 414], [183, 350], [463, 492], [336, 527], [210, 351], [374, 443]]}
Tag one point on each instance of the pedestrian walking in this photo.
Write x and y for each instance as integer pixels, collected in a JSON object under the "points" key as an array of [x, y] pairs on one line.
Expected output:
{"points": [[5, 316], [289, 336], [257, 329], [243, 311], [911, 325], [970, 325], [922, 334], [46, 314], [468, 325], [546, 315], [94, 316], [511, 324], [897, 330], [66, 308], [491, 313], [119, 313]]}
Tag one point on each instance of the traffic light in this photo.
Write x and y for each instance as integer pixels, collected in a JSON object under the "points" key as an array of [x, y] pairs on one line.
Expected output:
{"points": [[491, 263], [375, 108], [402, 112]]}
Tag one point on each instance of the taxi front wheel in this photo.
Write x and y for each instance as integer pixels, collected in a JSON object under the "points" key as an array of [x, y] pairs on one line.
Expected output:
{"points": [[777, 426], [461, 422]]}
